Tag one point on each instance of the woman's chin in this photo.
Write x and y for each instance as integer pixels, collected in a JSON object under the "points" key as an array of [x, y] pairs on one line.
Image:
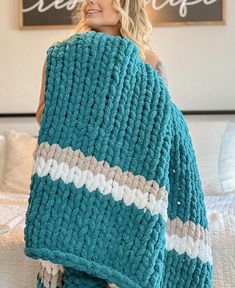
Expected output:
{"points": [[90, 19], [93, 16], [92, 22]]}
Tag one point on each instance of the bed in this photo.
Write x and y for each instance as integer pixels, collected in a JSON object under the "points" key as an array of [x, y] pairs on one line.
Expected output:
{"points": [[216, 161]]}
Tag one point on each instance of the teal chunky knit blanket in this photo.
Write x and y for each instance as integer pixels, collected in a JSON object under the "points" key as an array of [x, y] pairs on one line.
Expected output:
{"points": [[116, 198]]}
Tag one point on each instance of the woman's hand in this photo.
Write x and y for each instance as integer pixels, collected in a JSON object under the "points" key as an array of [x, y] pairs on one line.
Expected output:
{"points": [[39, 114], [42, 95]]}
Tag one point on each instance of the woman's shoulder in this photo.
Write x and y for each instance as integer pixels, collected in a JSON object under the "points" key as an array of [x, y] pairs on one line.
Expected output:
{"points": [[161, 69], [152, 57]]}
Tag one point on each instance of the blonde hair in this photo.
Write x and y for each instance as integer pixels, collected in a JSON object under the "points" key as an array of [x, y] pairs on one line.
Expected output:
{"points": [[134, 21]]}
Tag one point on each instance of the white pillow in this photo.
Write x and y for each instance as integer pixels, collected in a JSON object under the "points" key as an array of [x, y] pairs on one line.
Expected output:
{"points": [[207, 138], [2, 155], [18, 162], [227, 159]]}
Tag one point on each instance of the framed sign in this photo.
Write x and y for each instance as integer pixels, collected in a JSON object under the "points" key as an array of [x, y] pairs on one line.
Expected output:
{"points": [[57, 14], [185, 12], [47, 14]]}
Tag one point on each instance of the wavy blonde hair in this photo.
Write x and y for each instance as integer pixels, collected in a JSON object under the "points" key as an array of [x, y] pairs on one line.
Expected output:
{"points": [[135, 24]]}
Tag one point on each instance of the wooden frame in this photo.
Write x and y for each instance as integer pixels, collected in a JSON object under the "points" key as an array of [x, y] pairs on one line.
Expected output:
{"points": [[148, 9], [38, 27], [185, 23]]}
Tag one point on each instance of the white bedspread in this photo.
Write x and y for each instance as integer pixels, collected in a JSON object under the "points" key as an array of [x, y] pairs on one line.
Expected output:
{"points": [[221, 214], [18, 270]]}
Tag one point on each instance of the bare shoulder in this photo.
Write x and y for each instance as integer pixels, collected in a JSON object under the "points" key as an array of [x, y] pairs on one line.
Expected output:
{"points": [[55, 43], [152, 57]]}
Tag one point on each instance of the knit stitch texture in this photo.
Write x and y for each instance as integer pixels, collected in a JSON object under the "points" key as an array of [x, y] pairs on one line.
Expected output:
{"points": [[115, 193]]}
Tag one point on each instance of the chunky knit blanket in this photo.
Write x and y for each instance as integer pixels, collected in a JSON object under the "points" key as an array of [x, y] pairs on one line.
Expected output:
{"points": [[116, 198]]}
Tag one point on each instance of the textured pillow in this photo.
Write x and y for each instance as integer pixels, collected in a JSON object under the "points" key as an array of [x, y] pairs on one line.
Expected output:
{"points": [[227, 159], [2, 155], [207, 138], [18, 161]]}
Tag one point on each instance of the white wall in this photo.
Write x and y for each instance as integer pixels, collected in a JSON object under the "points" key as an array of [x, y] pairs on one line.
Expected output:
{"points": [[22, 54], [200, 61]]}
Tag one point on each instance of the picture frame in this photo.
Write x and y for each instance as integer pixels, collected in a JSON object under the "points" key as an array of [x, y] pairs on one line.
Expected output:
{"points": [[56, 14], [53, 14], [186, 12]]}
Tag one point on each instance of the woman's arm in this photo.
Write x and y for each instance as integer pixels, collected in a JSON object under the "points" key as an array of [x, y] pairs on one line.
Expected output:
{"points": [[42, 95]]}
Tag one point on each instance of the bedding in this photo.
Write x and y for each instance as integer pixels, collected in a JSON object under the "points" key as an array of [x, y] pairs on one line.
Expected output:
{"points": [[16, 270], [221, 217], [207, 148], [227, 159]]}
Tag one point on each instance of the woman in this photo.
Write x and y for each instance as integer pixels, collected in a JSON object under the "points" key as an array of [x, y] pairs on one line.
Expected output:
{"points": [[116, 17], [125, 18]]}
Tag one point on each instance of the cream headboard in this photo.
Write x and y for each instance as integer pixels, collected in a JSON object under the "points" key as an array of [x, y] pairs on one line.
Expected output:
{"points": [[24, 124], [28, 123]]}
